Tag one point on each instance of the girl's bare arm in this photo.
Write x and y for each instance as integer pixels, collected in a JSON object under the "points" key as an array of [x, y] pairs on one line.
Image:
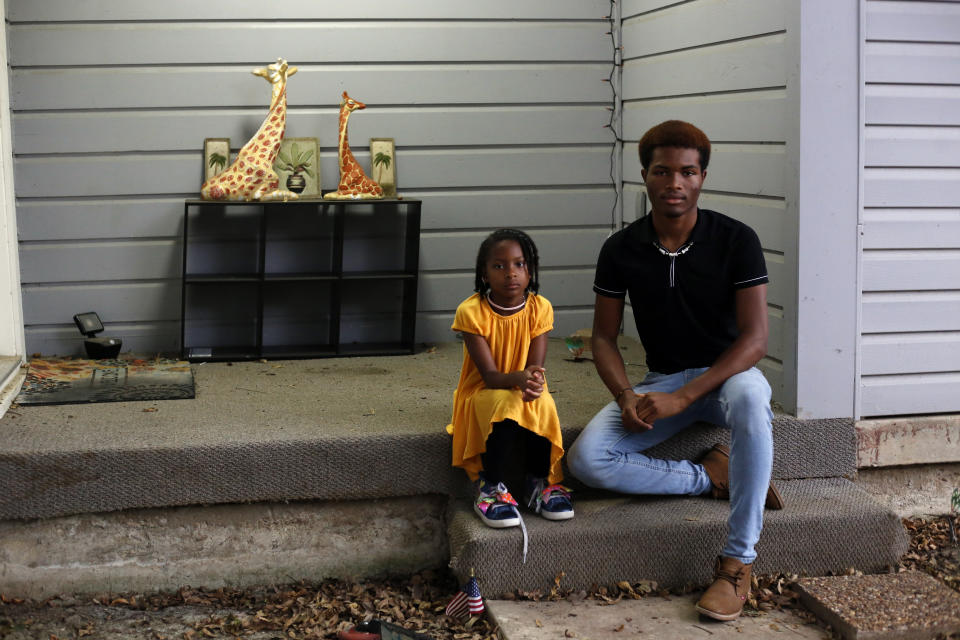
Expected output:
{"points": [[479, 352]]}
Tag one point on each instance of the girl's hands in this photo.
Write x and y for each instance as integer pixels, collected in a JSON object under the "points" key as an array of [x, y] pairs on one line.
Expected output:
{"points": [[531, 381]]}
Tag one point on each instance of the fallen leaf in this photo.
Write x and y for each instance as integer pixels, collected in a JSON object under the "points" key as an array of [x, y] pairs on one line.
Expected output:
{"points": [[150, 410]]}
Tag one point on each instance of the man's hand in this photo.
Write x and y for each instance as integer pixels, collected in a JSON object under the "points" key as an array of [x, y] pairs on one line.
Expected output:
{"points": [[657, 404], [632, 421]]}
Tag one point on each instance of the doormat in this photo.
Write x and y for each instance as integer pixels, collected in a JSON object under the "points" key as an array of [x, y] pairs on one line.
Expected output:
{"points": [[77, 381]]}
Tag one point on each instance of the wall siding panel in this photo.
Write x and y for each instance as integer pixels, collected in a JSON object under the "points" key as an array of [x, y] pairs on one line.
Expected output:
{"points": [[230, 86], [908, 311], [902, 146], [932, 105], [912, 63], [129, 302], [911, 219], [82, 262], [180, 173], [910, 21], [750, 116], [911, 229], [143, 43], [720, 65], [895, 353], [921, 269], [124, 10], [497, 110], [693, 25], [138, 337], [910, 394], [735, 66], [54, 219], [183, 130]]}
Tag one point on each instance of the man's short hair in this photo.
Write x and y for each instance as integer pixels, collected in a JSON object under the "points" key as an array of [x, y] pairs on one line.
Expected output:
{"points": [[675, 133]]}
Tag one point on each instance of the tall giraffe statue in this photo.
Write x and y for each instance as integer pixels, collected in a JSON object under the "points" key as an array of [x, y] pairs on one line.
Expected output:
{"points": [[354, 183], [251, 176]]}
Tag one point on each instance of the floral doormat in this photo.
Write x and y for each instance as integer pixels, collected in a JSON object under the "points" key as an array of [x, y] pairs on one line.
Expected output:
{"points": [[77, 381]]}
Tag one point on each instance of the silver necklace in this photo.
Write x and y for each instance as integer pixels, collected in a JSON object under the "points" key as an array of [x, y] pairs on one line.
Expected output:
{"points": [[499, 308], [673, 254]]}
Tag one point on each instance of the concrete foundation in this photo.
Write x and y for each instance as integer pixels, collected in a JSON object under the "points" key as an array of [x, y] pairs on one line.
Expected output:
{"points": [[914, 490], [221, 545], [908, 440]]}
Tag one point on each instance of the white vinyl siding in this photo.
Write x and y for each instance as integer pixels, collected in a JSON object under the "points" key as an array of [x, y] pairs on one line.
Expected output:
{"points": [[910, 343], [720, 64], [497, 110]]}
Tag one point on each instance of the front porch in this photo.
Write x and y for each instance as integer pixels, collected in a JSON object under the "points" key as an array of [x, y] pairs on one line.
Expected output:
{"points": [[306, 469]]}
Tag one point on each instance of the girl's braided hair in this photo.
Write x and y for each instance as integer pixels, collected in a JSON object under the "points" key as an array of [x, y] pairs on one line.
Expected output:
{"points": [[530, 255]]}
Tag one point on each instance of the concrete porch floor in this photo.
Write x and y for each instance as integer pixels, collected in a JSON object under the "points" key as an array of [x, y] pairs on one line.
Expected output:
{"points": [[147, 541], [293, 400], [271, 540]]}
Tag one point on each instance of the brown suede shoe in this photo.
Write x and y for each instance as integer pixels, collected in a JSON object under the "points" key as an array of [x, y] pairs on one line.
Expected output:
{"points": [[724, 599], [717, 463]]}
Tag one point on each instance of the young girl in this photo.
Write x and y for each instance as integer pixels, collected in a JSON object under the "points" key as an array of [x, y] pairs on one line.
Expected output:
{"points": [[501, 401]]}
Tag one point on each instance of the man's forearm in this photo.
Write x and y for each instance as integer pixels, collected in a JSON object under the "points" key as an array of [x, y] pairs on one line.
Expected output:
{"points": [[609, 364], [744, 353]]}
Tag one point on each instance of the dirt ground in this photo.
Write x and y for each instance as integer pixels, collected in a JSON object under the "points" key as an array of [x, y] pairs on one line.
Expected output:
{"points": [[417, 603]]}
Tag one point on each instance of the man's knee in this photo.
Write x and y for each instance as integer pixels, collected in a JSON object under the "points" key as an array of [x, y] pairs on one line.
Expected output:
{"points": [[587, 463], [576, 459], [746, 394]]}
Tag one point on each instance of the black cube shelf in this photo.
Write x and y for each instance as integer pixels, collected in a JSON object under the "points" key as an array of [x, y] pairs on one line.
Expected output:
{"points": [[301, 279]]}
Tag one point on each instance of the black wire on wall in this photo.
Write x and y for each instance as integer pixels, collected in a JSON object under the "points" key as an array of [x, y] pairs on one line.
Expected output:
{"points": [[613, 79]]}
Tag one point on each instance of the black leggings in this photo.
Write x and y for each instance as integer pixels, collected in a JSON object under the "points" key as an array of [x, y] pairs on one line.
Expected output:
{"points": [[506, 437]]}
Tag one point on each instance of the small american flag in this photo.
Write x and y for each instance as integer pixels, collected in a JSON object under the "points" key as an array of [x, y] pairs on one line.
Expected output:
{"points": [[467, 599]]}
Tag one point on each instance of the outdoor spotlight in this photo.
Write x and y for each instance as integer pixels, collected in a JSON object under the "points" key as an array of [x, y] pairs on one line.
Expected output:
{"points": [[97, 348]]}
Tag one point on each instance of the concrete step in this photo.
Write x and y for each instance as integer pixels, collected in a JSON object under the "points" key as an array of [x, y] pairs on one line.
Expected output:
{"points": [[828, 525], [337, 429]]}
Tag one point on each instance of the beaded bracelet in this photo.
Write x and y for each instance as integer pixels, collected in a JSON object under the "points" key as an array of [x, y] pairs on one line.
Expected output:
{"points": [[620, 393]]}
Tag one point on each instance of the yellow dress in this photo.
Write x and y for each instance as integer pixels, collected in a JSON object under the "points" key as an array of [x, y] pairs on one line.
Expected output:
{"points": [[476, 408]]}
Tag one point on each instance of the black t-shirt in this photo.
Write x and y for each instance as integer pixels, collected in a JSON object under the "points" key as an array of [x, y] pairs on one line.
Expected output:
{"points": [[683, 303]]}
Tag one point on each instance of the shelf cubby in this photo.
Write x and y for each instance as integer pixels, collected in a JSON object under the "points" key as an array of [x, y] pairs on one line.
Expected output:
{"points": [[301, 279]]}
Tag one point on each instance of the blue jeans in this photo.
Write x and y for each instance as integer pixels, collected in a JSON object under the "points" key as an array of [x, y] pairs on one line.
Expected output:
{"points": [[606, 456]]}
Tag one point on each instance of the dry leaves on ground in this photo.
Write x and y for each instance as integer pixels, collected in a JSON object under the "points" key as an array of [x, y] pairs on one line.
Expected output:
{"points": [[934, 548], [418, 602]]}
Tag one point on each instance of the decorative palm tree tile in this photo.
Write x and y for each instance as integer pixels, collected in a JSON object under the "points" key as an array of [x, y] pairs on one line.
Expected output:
{"points": [[78, 381]]}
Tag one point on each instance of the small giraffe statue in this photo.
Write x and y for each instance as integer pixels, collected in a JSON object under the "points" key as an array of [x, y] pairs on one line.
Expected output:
{"points": [[251, 176], [354, 183]]}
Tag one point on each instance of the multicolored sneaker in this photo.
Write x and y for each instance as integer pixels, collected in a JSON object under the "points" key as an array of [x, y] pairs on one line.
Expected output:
{"points": [[495, 506], [550, 501]]}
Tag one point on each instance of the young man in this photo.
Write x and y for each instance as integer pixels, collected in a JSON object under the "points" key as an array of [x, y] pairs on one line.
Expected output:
{"points": [[698, 285]]}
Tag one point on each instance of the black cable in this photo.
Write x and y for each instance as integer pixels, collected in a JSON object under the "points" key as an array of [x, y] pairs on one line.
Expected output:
{"points": [[617, 63]]}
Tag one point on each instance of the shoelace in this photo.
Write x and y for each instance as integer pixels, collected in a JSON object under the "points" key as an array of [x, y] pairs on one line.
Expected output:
{"points": [[542, 496], [500, 495], [731, 577]]}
